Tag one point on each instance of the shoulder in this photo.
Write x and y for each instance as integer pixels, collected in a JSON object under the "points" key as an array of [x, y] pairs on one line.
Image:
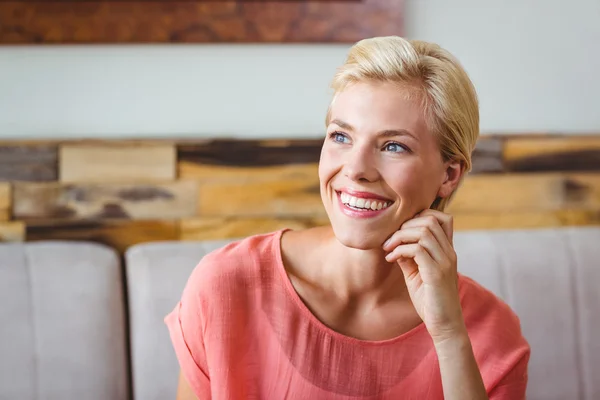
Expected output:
{"points": [[484, 312], [233, 266], [494, 329]]}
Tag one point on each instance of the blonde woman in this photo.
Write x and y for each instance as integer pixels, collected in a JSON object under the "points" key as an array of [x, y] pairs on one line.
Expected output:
{"points": [[371, 307]]}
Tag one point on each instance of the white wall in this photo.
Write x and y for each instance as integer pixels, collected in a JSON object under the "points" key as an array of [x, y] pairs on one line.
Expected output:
{"points": [[536, 65]]}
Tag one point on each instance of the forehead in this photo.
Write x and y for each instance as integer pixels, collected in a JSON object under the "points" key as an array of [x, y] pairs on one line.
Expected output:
{"points": [[375, 106]]}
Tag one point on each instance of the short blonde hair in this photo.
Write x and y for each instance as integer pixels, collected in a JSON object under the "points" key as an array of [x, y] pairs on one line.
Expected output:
{"points": [[449, 98]]}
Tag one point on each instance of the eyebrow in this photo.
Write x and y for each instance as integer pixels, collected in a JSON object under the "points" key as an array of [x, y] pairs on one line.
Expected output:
{"points": [[384, 133]]}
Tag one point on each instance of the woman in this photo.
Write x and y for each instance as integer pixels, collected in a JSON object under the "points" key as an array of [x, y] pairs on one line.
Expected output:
{"points": [[371, 307]]}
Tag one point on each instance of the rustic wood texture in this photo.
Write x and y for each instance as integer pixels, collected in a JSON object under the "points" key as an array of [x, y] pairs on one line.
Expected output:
{"points": [[125, 192], [19, 162], [13, 231], [525, 219], [5, 201], [275, 198], [54, 201], [165, 21], [236, 227], [552, 154], [118, 234], [527, 192], [113, 163], [487, 156]]}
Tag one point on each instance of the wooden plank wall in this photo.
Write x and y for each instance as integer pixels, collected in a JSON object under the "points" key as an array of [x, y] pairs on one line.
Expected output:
{"points": [[126, 192]]}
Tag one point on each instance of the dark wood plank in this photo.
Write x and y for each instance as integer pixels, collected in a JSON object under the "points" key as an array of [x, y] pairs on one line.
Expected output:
{"points": [[119, 235], [487, 156], [198, 21], [28, 163], [250, 153], [57, 201]]}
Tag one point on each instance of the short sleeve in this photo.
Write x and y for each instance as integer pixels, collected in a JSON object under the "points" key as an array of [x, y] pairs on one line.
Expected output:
{"points": [[513, 385], [186, 328]]}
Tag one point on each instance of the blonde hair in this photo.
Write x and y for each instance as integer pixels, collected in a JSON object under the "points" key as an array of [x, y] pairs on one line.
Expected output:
{"points": [[449, 98]]}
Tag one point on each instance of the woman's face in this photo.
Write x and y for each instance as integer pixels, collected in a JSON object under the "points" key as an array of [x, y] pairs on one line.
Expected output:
{"points": [[379, 164]]}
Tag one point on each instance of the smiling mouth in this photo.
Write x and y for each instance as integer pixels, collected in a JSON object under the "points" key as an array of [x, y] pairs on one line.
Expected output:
{"points": [[362, 204]]}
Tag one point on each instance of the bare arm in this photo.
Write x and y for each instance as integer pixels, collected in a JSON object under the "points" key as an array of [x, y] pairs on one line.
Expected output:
{"points": [[461, 378], [184, 390]]}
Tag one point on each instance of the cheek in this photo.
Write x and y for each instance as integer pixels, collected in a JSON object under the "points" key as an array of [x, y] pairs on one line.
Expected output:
{"points": [[328, 164]]}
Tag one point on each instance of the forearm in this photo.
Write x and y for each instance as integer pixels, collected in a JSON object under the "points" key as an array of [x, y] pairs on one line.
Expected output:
{"points": [[461, 378]]}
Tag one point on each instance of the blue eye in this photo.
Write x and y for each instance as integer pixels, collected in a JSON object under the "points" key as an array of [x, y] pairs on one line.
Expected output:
{"points": [[395, 147], [339, 137]]}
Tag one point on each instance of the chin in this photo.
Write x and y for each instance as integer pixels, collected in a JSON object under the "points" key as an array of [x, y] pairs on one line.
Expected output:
{"points": [[361, 239]]}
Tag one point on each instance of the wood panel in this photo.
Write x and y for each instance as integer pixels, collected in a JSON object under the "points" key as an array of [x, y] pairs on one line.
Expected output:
{"points": [[34, 162], [527, 192], [118, 234], [275, 198], [166, 200], [487, 155], [234, 227], [198, 21], [5, 201], [13, 231], [525, 219], [111, 163], [553, 154]]}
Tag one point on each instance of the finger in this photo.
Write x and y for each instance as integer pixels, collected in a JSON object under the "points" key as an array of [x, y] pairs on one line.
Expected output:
{"points": [[421, 235], [412, 250], [446, 221], [431, 223]]}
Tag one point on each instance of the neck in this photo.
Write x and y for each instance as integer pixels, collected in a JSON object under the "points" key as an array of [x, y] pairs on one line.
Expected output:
{"points": [[360, 274]]}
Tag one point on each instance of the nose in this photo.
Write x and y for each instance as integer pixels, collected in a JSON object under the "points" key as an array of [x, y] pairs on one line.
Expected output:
{"points": [[360, 165]]}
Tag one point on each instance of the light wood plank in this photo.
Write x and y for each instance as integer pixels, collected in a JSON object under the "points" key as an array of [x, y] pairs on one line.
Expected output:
{"points": [[525, 220], [230, 228], [117, 163], [12, 231], [119, 235], [527, 192], [274, 198], [5, 201], [578, 153], [169, 200]]}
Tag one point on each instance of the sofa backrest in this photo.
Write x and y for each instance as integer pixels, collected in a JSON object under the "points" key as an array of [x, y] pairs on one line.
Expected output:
{"points": [[156, 275], [548, 277], [62, 320]]}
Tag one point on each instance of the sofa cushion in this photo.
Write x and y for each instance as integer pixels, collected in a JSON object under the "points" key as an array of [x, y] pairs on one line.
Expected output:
{"points": [[156, 275], [63, 324], [547, 276]]}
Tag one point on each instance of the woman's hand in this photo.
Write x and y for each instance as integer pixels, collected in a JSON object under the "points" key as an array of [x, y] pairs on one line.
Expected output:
{"points": [[423, 249]]}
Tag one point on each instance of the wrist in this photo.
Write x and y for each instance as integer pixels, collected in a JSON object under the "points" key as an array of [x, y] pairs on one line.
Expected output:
{"points": [[451, 339]]}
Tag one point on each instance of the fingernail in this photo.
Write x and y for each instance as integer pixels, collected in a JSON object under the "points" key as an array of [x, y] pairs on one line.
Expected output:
{"points": [[387, 242]]}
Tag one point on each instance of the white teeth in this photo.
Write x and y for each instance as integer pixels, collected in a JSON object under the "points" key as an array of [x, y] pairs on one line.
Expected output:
{"points": [[363, 203]]}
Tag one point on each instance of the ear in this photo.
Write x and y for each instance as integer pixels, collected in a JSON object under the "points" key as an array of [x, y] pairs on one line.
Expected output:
{"points": [[453, 173]]}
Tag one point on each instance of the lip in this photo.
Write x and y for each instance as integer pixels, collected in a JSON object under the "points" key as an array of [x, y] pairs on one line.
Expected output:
{"points": [[352, 213], [363, 195]]}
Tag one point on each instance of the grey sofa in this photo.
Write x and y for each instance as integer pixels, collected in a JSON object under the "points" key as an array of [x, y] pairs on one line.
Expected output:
{"points": [[77, 324]]}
